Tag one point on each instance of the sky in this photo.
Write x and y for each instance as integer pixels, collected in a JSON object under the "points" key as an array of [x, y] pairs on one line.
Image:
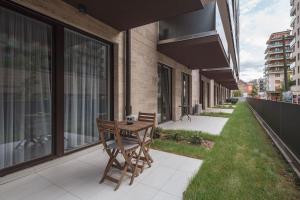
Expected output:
{"points": [[258, 19]]}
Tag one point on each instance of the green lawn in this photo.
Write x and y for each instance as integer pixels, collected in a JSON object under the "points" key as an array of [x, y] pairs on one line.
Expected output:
{"points": [[171, 145], [180, 148], [242, 165], [216, 114]]}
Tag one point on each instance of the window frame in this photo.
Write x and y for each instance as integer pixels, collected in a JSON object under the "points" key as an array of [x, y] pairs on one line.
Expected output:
{"points": [[57, 66]]}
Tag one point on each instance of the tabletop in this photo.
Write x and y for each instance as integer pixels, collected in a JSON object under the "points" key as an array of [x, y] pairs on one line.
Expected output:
{"points": [[136, 126]]}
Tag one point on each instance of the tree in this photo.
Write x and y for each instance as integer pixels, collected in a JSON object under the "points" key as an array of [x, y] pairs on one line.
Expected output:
{"points": [[254, 91], [237, 93]]}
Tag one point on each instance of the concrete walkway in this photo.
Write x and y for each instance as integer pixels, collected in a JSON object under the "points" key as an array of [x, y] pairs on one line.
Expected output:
{"points": [[212, 125], [218, 110], [76, 177]]}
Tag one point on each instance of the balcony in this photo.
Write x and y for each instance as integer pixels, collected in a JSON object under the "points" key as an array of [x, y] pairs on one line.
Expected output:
{"points": [[274, 58], [293, 21], [292, 65], [275, 45], [293, 11], [226, 77], [275, 65], [124, 15], [195, 39], [274, 71], [292, 2], [292, 43]]}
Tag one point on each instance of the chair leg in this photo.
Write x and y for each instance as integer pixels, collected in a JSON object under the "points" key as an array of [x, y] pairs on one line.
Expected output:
{"points": [[135, 167], [146, 156], [149, 156], [111, 160], [124, 171]]}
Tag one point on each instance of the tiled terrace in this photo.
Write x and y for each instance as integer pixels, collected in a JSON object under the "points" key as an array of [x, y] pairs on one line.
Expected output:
{"points": [[218, 110], [212, 125], [76, 176]]}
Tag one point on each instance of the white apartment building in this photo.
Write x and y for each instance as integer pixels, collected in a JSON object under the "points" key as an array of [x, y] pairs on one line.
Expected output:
{"points": [[274, 65], [295, 66]]}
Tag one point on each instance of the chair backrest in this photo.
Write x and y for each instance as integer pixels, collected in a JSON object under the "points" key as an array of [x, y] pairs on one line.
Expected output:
{"points": [[111, 127], [147, 117]]}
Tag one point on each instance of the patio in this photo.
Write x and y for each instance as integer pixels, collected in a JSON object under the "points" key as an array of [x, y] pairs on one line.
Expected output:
{"points": [[219, 110], [212, 125], [76, 176]]}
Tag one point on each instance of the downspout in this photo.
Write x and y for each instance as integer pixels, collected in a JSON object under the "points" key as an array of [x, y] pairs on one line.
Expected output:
{"points": [[200, 89], [127, 73]]}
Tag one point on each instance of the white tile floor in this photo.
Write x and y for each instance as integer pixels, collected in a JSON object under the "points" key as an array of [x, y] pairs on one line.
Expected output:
{"points": [[76, 177], [217, 110], [212, 125]]}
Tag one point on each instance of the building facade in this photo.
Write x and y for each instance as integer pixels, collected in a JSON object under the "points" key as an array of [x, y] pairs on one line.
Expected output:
{"points": [[295, 66], [65, 63], [274, 65]]}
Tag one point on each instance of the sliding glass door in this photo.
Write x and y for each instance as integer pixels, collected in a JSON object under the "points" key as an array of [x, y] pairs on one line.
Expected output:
{"points": [[185, 96], [164, 93], [86, 88], [25, 89]]}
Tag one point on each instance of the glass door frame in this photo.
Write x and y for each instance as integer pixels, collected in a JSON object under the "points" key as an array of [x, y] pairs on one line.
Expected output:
{"points": [[57, 78], [161, 65], [188, 79]]}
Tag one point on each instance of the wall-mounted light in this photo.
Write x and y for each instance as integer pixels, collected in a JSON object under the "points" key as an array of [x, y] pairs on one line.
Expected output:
{"points": [[82, 8]]}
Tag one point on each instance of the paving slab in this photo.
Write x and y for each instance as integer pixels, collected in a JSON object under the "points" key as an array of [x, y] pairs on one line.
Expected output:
{"points": [[211, 125], [76, 177], [218, 110]]}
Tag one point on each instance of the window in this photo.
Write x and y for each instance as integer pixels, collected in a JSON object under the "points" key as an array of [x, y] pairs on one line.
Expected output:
{"points": [[298, 31], [164, 93], [86, 88], [297, 19], [298, 55], [298, 44], [27, 123], [277, 75], [185, 93], [25, 89], [298, 81], [298, 69]]}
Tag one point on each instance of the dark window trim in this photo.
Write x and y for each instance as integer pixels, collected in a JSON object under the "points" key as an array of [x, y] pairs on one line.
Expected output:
{"points": [[189, 85], [58, 79], [160, 64]]}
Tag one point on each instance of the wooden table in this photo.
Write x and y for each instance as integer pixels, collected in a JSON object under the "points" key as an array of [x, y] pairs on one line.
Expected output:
{"points": [[135, 128]]}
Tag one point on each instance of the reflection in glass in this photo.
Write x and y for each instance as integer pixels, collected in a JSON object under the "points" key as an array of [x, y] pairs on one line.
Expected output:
{"points": [[85, 88], [164, 93], [185, 93], [25, 89]]}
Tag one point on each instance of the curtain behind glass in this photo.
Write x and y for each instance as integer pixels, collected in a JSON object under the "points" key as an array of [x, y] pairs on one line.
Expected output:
{"points": [[25, 88], [159, 95], [166, 93], [85, 87], [185, 92]]}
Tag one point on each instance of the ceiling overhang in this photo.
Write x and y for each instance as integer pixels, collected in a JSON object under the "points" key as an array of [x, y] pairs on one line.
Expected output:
{"points": [[199, 51], [124, 15], [232, 85], [223, 76]]}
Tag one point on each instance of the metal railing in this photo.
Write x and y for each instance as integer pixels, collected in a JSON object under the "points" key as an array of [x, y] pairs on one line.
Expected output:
{"points": [[283, 119]]}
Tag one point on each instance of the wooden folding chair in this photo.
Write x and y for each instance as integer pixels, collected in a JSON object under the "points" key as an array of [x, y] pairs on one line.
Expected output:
{"points": [[115, 147], [147, 117]]}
